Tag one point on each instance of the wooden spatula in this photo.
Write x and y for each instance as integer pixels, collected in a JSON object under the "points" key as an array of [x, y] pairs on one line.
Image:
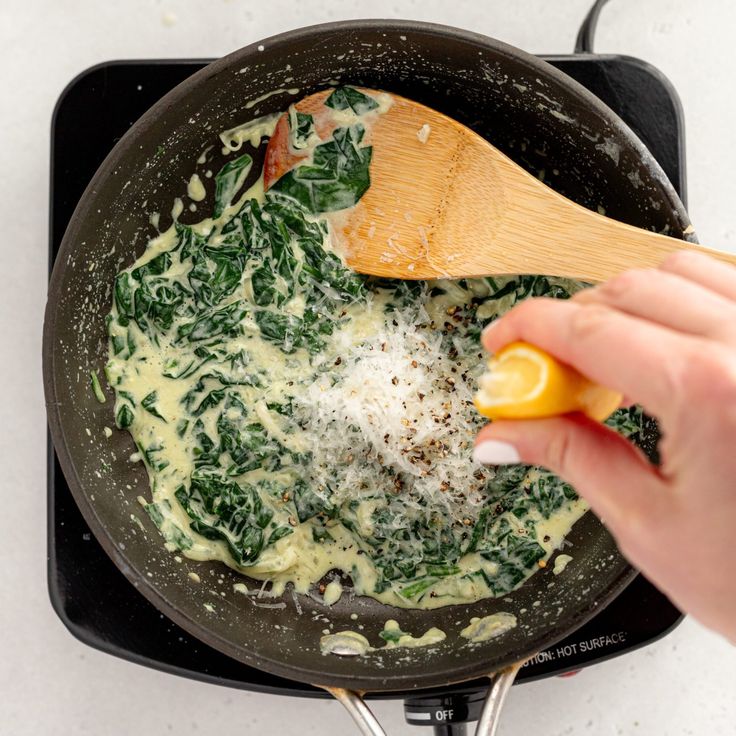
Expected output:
{"points": [[451, 205]]}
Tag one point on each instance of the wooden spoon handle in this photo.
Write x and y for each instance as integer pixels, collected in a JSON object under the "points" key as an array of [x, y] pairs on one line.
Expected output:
{"points": [[612, 247], [561, 238]]}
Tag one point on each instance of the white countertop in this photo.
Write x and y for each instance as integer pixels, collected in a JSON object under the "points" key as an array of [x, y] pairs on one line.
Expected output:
{"points": [[52, 684]]}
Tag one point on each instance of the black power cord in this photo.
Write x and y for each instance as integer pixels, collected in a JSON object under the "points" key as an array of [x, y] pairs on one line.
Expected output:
{"points": [[586, 34]]}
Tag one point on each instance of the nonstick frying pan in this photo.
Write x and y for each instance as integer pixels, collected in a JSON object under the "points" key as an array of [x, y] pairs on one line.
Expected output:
{"points": [[534, 113]]}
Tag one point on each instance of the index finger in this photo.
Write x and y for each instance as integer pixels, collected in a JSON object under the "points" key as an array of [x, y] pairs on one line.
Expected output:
{"points": [[644, 361]]}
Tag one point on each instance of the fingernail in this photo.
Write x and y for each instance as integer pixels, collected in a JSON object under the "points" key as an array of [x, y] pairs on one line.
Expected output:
{"points": [[495, 452]]}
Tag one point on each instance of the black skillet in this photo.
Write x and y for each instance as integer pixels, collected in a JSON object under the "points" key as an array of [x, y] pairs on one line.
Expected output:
{"points": [[538, 116]]}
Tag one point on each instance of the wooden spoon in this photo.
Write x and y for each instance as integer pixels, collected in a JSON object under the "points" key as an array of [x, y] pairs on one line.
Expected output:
{"points": [[454, 206]]}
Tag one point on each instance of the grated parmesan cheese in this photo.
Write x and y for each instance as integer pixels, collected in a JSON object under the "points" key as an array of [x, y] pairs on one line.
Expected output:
{"points": [[396, 401]]}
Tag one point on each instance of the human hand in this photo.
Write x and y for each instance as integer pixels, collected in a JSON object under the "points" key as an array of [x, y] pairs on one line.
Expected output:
{"points": [[666, 339]]}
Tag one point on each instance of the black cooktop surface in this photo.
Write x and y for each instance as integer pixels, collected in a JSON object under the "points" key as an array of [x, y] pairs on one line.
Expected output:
{"points": [[93, 599]]}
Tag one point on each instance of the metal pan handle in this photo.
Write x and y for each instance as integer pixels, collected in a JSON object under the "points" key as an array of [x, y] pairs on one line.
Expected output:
{"points": [[359, 711], [369, 726], [491, 713]]}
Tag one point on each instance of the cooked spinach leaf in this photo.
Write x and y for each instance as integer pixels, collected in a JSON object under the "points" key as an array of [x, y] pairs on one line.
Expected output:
{"points": [[216, 273], [188, 242], [349, 97], [124, 417], [172, 533], [222, 509], [337, 177], [301, 128], [155, 267], [245, 442], [156, 303], [124, 290], [416, 590], [200, 356], [96, 387], [205, 451], [392, 635], [149, 404], [229, 180], [327, 270], [221, 321], [153, 457], [308, 504], [286, 330], [212, 399], [121, 339]]}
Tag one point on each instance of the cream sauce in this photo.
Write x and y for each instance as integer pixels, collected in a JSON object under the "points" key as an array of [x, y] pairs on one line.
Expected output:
{"points": [[352, 644], [195, 189], [428, 638], [253, 132], [488, 627], [333, 591], [561, 562], [345, 644]]}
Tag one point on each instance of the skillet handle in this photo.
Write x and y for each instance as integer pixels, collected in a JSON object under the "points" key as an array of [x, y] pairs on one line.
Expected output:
{"points": [[489, 718], [491, 713], [359, 711]]}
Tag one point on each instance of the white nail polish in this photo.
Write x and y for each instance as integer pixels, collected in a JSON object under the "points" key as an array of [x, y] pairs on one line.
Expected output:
{"points": [[495, 452]]}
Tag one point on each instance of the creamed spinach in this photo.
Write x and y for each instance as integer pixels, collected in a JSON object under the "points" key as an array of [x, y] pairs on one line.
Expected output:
{"points": [[296, 418]]}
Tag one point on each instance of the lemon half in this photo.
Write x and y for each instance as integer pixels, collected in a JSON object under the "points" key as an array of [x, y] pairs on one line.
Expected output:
{"points": [[524, 382]]}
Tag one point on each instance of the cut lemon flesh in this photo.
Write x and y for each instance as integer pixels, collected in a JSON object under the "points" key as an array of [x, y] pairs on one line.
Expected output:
{"points": [[524, 382]]}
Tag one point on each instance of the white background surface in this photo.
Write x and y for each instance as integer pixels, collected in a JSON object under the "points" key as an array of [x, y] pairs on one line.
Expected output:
{"points": [[50, 683]]}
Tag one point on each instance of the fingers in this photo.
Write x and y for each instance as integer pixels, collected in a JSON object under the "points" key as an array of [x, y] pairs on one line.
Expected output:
{"points": [[608, 471], [667, 299], [701, 269], [646, 362]]}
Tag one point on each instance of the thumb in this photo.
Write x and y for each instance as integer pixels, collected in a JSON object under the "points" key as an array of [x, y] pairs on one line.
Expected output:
{"points": [[616, 479]]}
